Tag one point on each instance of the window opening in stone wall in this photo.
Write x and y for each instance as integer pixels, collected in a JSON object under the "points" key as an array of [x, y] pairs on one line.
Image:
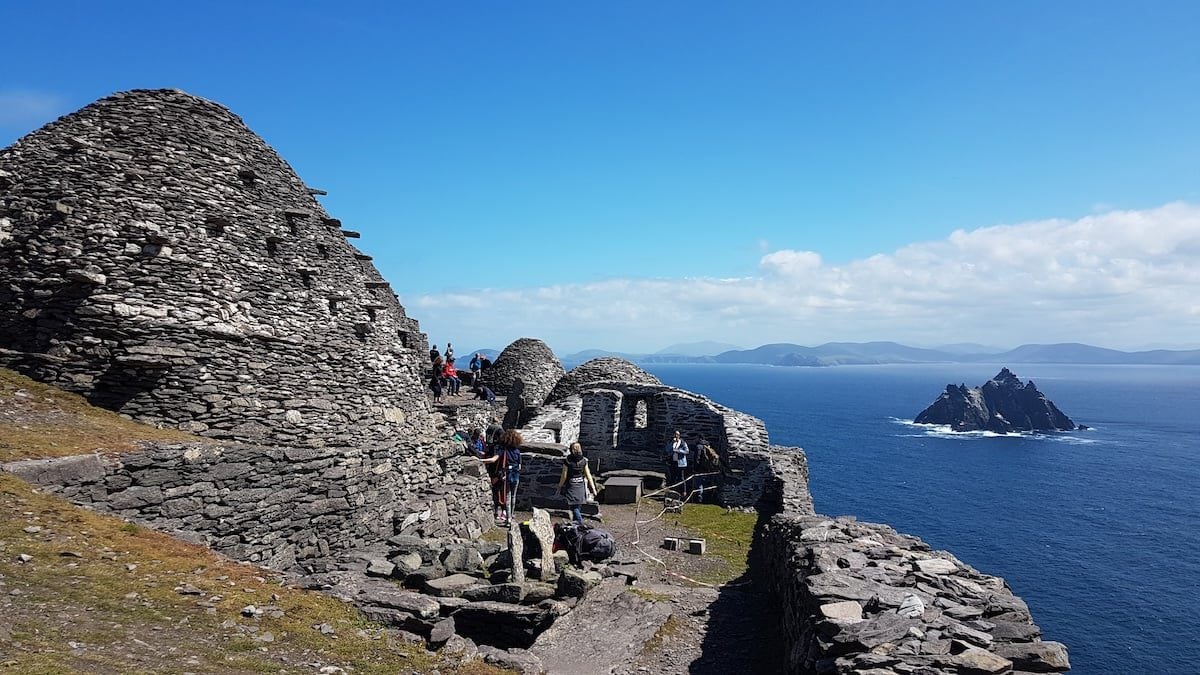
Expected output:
{"points": [[333, 306], [371, 314], [323, 251], [272, 248], [641, 414], [404, 339]]}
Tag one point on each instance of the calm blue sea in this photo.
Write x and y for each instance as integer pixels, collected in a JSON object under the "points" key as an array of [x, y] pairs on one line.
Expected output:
{"points": [[1099, 531]]}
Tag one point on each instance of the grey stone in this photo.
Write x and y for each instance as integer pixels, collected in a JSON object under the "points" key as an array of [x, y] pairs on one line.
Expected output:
{"points": [[407, 601], [510, 592], [976, 660], [380, 568], [573, 583], [452, 585], [846, 611], [442, 631], [1036, 657], [935, 566], [462, 559]]}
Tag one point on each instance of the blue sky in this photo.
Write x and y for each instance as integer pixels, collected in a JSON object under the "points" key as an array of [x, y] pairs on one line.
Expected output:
{"points": [[633, 174]]}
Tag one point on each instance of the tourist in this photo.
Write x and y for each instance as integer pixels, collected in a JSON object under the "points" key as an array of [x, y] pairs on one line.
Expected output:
{"points": [[435, 383], [451, 374], [484, 393], [436, 369], [707, 465], [492, 435], [578, 479], [677, 463], [449, 352], [477, 445], [434, 354], [476, 365], [508, 457]]}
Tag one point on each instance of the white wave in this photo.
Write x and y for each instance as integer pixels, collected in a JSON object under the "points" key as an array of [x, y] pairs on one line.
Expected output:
{"points": [[945, 431]]}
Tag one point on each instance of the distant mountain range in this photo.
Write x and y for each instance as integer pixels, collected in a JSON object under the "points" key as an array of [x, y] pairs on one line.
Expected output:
{"points": [[868, 353], [704, 348]]}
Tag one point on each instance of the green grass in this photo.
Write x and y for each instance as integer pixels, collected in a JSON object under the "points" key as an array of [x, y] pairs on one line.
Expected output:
{"points": [[650, 596], [728, 533], [60, 424]]}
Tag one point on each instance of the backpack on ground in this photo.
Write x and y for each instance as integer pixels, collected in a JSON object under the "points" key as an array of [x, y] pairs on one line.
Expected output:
{"points": [[597, 544], [583, 542]]}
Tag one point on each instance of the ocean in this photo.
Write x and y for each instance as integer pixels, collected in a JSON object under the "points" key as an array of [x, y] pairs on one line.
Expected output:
{"points": [[1098, 530]]}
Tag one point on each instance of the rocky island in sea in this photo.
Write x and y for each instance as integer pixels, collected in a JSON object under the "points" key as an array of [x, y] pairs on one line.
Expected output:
{"points": [[1002, 405]]}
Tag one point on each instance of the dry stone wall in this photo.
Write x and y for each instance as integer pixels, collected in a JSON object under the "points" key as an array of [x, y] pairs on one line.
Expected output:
{"points": [[851, 597], [279, 507]]}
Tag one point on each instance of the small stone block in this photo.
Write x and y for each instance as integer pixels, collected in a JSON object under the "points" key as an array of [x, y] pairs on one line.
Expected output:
{"points": [[672, 543], [696, 546], [622, 490]]}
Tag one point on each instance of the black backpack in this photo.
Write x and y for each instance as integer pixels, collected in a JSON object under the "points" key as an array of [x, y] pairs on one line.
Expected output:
{"points": [[582, 542]]}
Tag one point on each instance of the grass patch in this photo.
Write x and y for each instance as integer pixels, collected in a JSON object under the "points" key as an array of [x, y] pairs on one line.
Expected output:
{"points": [[669, 628], [39, 421], [650, 596], [100, 597], [728, 533], [497, 535]]}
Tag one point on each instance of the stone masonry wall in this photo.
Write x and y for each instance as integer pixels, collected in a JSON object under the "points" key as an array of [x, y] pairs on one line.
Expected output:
{"points": [[627, 425], [850, 597], [279, 507]]}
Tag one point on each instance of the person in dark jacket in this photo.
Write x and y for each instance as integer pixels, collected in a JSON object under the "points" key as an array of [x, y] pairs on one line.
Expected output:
{"points": [[577, 478]]}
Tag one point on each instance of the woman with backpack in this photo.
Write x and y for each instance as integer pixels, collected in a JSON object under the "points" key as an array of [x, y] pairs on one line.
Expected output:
{"points": [[507, 457], [577, 478]]}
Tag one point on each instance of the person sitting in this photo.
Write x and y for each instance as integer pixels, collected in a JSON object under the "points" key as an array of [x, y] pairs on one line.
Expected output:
{"points": [[450, 373], [477, 445]]}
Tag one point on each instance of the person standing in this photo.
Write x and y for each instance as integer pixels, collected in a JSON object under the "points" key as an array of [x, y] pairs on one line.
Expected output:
{"points": [[434, 354], [435, 383], [508, 456], [476, 365], [577, 478], [449, 352], [677, 463], [707, 467]]}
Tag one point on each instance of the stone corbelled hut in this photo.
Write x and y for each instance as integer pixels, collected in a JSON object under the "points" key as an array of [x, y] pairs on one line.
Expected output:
{"points": [[533, 363], [600, 369], [160, 258]]}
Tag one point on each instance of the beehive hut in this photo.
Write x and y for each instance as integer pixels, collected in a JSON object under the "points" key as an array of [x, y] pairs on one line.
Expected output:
{"points": [[159, 258]]}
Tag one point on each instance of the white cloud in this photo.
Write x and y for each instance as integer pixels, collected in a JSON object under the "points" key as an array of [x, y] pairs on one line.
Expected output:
{"points": [[1120, 279], [25, 108]]}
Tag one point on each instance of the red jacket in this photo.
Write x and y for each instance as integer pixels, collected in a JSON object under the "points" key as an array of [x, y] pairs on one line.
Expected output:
{"points": [[449, 371]]}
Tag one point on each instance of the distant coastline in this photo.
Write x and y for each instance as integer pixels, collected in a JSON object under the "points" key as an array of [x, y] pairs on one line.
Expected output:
{"points": [[881, 353]]}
